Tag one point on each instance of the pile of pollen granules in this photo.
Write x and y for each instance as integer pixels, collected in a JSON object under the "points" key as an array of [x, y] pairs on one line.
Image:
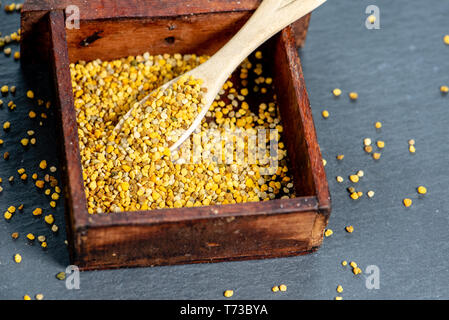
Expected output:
{"points": [[134, 170]]}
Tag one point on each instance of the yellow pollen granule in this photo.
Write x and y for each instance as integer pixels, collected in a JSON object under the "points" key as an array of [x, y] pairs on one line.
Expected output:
{"points": [[43, 164], [422, 190], [368, 149], [353, 95], [49, 219], [357, 270], [354, 195], [407, 202], [24, 142], [17, 258], [367, 141], [228, 293]]}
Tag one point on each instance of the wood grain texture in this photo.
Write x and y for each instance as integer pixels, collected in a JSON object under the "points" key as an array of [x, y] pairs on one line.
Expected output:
{"points": [[94, 10], [300, 28], [35, 38], [202, 34], [201, 240], [75, 198], [295, 113], [97, 14], [189, 235]]}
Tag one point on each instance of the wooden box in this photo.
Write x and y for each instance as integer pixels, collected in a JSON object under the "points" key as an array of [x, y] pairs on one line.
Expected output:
{"points": [[112, 29]]}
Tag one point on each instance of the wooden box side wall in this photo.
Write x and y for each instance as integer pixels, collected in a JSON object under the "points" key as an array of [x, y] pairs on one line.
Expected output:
{"points": [[299, 129], [206, 240], [75, 199], [35, 38], [118, 38]]}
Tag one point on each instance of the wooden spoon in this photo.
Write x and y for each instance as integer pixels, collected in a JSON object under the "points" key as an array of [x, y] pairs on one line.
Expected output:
{"points": [[271, 17]]}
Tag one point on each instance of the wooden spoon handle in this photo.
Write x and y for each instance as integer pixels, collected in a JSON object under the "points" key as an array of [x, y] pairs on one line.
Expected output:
{"points": [[271, 17]]}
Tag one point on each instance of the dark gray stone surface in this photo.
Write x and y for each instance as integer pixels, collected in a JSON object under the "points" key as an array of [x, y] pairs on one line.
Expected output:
{"points": [[396, 70]]}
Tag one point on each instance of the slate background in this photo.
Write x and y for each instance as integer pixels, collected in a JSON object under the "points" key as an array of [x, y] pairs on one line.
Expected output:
{"points": [[396, 70]]}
